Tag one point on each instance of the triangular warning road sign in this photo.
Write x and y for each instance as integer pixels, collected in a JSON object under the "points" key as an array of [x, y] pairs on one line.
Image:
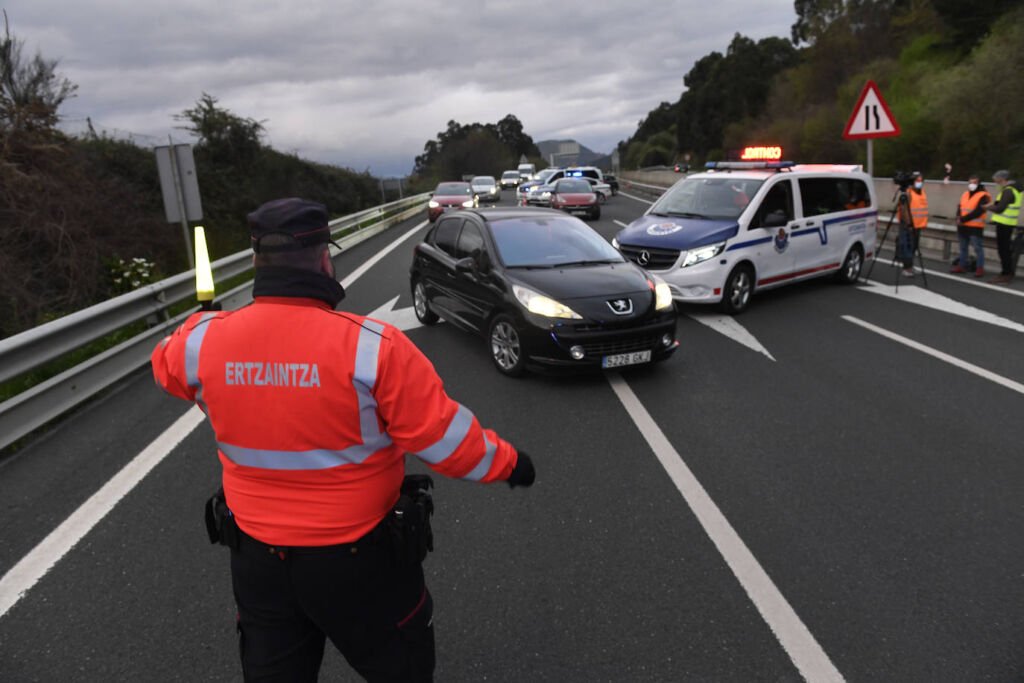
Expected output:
{"points": [[871, 117]]}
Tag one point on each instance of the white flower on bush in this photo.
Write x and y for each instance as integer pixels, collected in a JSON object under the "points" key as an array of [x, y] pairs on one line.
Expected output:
{"points": [[130, 274]]}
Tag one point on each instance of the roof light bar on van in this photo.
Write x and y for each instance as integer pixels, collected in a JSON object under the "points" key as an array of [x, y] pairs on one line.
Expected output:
{"points": [[737, 165]]}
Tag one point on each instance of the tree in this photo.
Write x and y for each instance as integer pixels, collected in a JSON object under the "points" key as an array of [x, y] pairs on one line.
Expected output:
{"points": [[31, 92], [226, 136]]}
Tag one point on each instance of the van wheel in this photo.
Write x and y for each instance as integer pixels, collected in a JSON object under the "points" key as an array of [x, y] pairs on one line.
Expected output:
{"points": [[506, 349], [738, 288], [850, 272], [421, 304]]}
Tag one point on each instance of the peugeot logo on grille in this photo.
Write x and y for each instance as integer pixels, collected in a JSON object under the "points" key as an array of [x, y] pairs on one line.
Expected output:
{"points": [[644, 257], [620, 306]]}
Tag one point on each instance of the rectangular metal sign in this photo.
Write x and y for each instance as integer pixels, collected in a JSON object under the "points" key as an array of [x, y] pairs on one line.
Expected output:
{"points": [[177, 169]]}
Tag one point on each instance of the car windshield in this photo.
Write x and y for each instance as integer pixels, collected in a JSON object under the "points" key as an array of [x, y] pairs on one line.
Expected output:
{"points": [[483, 180], [546, 241], [449, 189], [543, 176], [510, 174], [719, 196], [572, 186]]}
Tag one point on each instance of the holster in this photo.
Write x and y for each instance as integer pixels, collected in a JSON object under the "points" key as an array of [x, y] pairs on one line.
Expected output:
{"points": [[220, 522], [409, 520]]}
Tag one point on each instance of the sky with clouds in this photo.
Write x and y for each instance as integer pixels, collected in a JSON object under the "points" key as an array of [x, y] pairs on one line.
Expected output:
{"points": [[366, 84]]}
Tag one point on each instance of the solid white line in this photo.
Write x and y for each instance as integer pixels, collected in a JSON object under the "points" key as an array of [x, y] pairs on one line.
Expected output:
{"points": [[358, 272], [22, 576], [27, 572], [935, 353], [645, 201], [796, 640], [958, 278], [616, 221]]}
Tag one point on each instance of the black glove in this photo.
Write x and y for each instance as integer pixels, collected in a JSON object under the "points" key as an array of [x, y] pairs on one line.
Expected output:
{"points": [[523, 473]]}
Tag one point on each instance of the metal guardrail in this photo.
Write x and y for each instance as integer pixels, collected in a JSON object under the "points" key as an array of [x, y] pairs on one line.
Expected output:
{"points": [[23, 352]]}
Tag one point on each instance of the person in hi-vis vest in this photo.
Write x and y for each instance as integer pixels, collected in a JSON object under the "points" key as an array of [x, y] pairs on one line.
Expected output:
{"points": [[1004, 213], [970, 225]]}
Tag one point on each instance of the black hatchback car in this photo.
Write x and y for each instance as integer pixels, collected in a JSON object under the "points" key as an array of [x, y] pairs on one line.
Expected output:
{"points": [[544, 288]]}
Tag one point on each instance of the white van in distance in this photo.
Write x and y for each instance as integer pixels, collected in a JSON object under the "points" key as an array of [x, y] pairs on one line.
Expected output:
{"points": [[720, 236], [527, 172]]}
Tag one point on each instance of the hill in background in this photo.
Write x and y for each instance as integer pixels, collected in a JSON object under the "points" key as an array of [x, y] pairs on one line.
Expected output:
{"points": [[571, 153]]}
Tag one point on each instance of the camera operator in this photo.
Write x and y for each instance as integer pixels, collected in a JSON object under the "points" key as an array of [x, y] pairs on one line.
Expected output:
{"points": [[913, 219]]}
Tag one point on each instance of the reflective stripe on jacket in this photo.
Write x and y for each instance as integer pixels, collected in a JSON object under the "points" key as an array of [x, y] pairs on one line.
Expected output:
{"points": [[1009, 215], [969, 203], [919, 209], [313, 412]]}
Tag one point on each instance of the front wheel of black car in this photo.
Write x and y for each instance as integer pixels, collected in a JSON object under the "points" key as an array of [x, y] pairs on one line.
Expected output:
{"points": [[421, 305], [506, 349]]}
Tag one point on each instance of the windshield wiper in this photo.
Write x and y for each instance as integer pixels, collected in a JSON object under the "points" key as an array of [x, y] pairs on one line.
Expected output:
{"points": [[586, 263], [685, 214], [531, 266]]}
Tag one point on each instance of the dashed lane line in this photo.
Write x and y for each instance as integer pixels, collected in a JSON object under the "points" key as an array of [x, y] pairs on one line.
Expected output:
{"points": [[30, 569], [798, 642], [935, 353], [639, 199]]}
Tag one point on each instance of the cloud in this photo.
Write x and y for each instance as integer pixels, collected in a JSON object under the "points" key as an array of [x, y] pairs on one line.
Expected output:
{"points": [[366, 84]]}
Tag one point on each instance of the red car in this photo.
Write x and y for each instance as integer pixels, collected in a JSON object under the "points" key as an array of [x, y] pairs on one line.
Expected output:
{"points": [[576, 196], [450, 197]]}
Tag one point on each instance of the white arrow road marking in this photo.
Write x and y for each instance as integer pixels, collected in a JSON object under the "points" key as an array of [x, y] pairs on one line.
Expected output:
{"points": [[727, 325], [403, 318], [923, 297]]}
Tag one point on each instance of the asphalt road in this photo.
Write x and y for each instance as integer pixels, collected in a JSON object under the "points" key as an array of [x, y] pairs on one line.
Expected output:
{"points": [[876, 485]]}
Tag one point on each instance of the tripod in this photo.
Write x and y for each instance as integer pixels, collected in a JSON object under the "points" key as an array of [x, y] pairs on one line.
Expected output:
{"points": [[907, 238]]}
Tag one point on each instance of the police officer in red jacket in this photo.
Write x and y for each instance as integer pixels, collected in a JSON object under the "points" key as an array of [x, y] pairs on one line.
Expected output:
{"points": [[313, 411]]}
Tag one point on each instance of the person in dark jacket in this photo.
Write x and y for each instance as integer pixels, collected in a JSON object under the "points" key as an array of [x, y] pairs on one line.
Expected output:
{"points": [[1004, 214], [970, 225]]}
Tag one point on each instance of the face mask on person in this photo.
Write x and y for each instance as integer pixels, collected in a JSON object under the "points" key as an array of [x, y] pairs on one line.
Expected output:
{"points": [[918, 185], [971, 187]]}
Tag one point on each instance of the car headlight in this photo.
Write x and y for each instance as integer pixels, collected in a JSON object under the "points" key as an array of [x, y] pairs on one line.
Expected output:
{"points": [[662, 297], [432, 204], [545, 195], [542, 305], [468, 204], [695, 256], [615, 243]]}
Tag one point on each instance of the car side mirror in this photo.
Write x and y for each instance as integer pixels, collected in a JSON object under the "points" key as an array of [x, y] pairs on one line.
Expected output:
{"points": [[465, 265], [775, 219]]}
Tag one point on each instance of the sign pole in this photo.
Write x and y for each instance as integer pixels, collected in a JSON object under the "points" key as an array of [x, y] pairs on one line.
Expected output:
{"points": [[181, 203], [871, 158]]}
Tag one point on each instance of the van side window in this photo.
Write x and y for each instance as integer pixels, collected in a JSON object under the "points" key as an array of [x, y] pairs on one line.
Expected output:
{"points": [[445, 234], [823, 195], [854, 193], [778, 201]]}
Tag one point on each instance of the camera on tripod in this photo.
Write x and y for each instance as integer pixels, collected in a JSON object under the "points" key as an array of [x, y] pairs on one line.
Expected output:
{"points": [[903, 179]]}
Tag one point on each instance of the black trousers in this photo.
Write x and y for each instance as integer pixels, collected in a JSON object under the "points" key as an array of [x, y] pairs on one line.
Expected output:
{"points": [[378, 615], [1009, 247], [909, 241]]}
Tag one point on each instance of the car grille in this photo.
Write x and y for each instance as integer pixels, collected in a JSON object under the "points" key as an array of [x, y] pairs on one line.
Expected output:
{"points": [[660, 259], [621, 345]]}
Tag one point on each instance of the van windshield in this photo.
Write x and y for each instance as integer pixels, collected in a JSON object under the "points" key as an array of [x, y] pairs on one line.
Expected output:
{"points": [[719, 197]]}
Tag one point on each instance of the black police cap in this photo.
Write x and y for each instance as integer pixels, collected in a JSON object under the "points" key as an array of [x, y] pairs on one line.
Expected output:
{"points": [[302, 220]]}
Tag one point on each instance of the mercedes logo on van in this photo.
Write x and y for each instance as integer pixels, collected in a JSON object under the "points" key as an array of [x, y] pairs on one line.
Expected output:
{"points": [[644, 257], [620, 306]]}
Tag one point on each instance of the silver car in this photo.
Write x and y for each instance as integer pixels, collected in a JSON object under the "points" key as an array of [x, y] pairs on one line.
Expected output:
{"points": [[485, 189]]}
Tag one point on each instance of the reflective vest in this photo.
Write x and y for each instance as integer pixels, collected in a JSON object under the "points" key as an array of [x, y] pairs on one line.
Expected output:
{"points": [[313, 411], [969, 203], [919, 209], [1009, 216]]}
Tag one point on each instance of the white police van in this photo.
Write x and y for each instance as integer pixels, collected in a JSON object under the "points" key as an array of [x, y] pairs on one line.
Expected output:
{"points": [[722, 235]]}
